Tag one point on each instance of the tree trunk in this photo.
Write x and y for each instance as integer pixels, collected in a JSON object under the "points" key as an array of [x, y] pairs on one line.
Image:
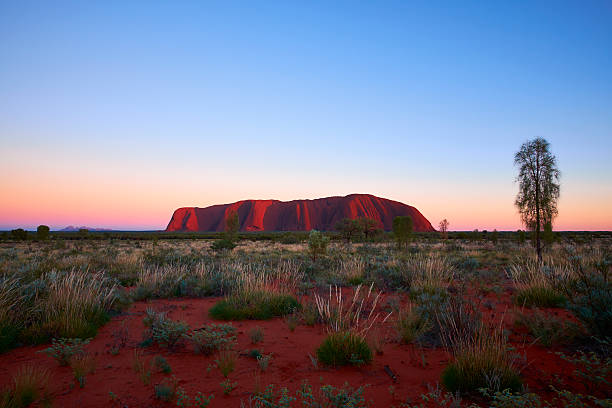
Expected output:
{"points": [[537, 203]]}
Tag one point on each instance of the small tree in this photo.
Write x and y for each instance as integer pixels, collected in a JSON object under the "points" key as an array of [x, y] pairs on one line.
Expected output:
{"points": [[317, 244], [521, 236], [232, 225], [369, 227], [83, 233], [402, 230], [349, 228], [538, 186], [494, 236], [443, 226], [19, 234], [42, 232]]}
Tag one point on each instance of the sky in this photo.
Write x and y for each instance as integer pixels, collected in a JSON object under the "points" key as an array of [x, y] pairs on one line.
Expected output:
{"points": [[113, 114]]}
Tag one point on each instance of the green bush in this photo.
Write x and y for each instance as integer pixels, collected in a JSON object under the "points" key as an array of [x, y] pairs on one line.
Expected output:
{"points": [[164, 331], [547, 329], [212, 337], [537, 296], [344, 348], [224, 244], [256, 306], [63, 350]]}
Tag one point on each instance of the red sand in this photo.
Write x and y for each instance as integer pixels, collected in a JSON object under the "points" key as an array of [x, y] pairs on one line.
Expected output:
{"points": [[290, 364], [299, 215]]}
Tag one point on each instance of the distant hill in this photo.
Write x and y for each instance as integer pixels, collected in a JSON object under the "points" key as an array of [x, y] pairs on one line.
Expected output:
{"points": [[298, 215], [72, 228]]}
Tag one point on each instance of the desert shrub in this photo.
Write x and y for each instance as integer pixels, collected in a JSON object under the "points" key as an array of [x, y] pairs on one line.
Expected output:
{"points": [[351, 270], [411, 325], [164, 331], [212, 337], [589, 291], [438, 398], [317, 244], [161, 364], [328, 397], [223, 245], [344, 348], [547, 329], [509, 399], [30, 385], [64, 350], [469, 264], [332, 397], [592, 370], [256, 306], [166, 390]]}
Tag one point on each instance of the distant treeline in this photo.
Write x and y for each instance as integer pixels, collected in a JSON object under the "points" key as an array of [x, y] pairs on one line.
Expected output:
{"points": [[288, 237]]}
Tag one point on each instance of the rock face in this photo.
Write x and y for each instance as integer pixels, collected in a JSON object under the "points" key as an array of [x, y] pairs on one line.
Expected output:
{"points": [[298, 215]]}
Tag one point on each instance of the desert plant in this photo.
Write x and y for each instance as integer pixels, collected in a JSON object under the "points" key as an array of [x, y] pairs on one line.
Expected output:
{"points": [[359, 316], [212, 337], [264, 361], [547, 329], [161, 364], [30, 384], [317, 244], [344, 348], [166, 390], [164, 331], [480, 361], [202, 401], [141, 367], [64, 350], [411, 325], [82, 365], [402, 230], [228, 386], [254, 306], [535, 282], [256, 334], [226, 361]]}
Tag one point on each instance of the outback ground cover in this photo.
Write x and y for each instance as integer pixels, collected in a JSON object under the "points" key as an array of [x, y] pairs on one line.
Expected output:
{"points": [[171, 322]]}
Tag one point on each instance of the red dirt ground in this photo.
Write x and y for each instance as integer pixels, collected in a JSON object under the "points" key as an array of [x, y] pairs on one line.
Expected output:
{"points": [[290, 364]]}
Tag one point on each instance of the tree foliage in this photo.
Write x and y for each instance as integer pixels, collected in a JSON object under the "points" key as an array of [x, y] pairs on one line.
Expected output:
{"points": [[42, 232], [538, 180], [349, 228], [317, 244], [402, 230], [443, 227]]}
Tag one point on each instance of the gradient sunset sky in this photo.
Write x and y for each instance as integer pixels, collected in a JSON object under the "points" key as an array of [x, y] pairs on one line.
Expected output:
{"points": [[115, 113]]}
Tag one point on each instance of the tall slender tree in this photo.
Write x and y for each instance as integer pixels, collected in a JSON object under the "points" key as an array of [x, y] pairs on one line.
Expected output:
{"points": [[538, 180]]}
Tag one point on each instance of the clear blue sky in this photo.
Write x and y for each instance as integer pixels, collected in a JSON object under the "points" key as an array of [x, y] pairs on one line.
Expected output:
{"points": [[114, 113]]}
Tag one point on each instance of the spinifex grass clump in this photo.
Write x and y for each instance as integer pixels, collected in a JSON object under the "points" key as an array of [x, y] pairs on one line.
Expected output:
{"points": [[535, 282], [411, 325], [430, 273], [480, 360], [30, 385], [257, 297], [348, 324], [11, 306], [344, 348]]}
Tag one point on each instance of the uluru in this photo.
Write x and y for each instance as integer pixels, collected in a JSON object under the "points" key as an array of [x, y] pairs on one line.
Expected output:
{"points": [[297, 215]]}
